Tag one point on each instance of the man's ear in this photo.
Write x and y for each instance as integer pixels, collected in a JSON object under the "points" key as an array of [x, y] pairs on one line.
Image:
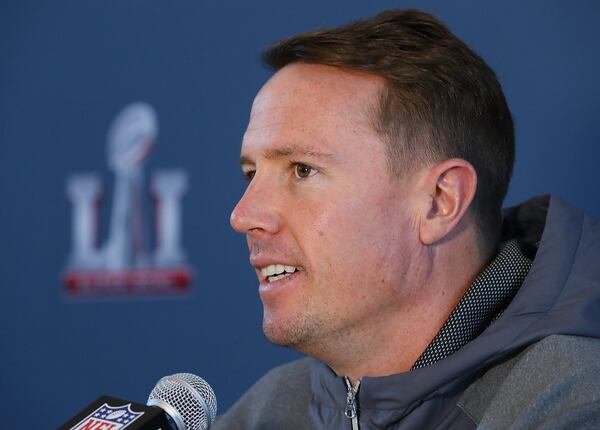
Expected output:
{"points": [[451, 187]]}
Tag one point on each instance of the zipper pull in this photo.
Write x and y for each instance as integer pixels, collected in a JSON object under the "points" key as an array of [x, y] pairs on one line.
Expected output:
{"points": [[350, 406], [351, 409]]}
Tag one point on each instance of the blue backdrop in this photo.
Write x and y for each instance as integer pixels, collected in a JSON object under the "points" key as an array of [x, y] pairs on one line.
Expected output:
{"points": [[66, 69]]}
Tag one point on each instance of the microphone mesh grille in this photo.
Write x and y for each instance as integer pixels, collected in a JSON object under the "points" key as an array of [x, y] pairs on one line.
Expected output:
{"points": [[175, 390]]}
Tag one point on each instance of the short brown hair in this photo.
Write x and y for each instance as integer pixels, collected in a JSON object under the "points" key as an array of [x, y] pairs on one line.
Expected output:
{"points": [[440, 101]]}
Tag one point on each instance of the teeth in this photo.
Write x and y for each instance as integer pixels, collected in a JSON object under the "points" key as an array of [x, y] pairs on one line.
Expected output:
{"points": [[274, 272]]}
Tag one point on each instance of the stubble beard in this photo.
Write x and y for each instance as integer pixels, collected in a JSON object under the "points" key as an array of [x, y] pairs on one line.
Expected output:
{"points": [[301, 332], [312, 333]]}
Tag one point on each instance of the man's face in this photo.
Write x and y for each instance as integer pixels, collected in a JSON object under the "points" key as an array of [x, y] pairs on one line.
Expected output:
{"points": [[330, 232]]}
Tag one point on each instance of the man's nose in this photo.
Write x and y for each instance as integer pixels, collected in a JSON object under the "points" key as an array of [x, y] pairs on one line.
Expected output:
{"points": [[257, 211]]}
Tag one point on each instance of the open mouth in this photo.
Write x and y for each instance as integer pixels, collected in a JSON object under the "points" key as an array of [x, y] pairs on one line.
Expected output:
{"points": [[275, 272]]}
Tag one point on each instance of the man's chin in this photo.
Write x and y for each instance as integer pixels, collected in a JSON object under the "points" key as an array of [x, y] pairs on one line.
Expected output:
{"points": [[288, 335]]}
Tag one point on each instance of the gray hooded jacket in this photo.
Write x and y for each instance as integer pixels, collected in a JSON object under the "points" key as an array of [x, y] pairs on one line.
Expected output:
{"points": [[537, 366]]}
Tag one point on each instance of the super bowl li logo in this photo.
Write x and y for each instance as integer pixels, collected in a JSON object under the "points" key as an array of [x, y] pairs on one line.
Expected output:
{"points": [[124, 264]]}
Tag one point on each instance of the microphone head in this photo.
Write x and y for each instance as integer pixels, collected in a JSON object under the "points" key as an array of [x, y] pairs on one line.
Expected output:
{"points": [[187, 398]]}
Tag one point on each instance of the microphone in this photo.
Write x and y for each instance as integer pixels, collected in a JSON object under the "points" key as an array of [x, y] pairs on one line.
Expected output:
{"points": [[182, 401], [188, 400]]}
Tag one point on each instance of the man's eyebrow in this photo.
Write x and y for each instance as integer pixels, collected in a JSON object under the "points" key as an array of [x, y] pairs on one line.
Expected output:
{"points": [[288, 151]]}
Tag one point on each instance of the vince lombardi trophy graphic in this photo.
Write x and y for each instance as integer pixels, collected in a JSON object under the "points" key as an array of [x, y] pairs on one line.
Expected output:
{"points": [[125, 262], [130, 140]]}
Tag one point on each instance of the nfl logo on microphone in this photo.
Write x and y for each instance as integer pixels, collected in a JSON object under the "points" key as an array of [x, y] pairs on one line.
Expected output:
{"points": [[109, 418], [124, 264]]}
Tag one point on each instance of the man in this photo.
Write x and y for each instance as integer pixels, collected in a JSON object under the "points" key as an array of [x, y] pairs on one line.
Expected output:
{"points": [[378, 156]]}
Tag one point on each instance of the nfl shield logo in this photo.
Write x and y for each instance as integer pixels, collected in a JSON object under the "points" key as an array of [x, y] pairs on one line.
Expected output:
{"points": [[109, 418]]}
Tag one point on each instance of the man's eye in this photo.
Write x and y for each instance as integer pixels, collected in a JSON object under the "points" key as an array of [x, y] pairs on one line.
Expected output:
{"points": [[303, 171], [249, 174]]}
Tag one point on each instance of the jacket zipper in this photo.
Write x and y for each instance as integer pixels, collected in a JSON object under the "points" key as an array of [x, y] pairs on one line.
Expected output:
{"points": [[351, 408]]}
